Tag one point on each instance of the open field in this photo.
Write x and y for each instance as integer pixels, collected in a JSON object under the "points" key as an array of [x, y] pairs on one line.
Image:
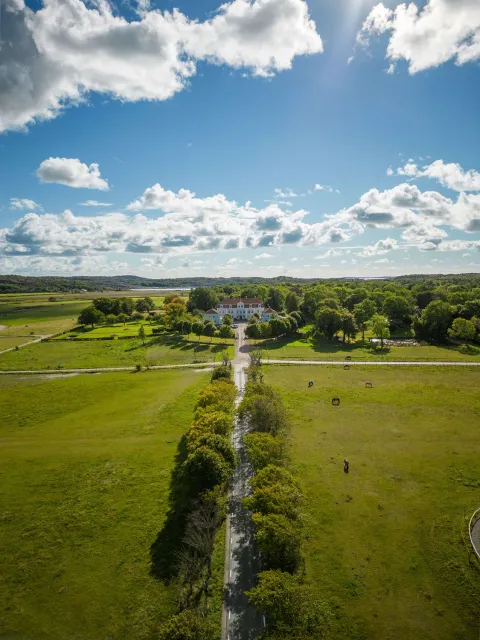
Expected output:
{"points": [[7, 342], [385, 541], [304, 349], [109, 353], [28, 314], [85, 468], [130, 329]]}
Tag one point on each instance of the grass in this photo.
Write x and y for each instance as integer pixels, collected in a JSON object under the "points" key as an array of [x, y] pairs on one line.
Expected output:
{"points": [[84, 468], [112, 353], [323, 349], [7, 342], [386, 543], [39, 318], [130, 329]]}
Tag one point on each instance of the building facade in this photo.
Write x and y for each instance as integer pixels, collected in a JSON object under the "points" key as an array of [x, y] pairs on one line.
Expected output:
{"points": [[239, 309]]}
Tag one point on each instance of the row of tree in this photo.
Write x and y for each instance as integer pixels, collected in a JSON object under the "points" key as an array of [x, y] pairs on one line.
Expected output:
{"points": [[281, 594], [203, 477], [431, 304], [114, 310]]}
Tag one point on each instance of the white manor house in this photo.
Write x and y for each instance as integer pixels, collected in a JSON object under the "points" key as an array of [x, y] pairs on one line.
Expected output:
{"points": [[239, 309]]}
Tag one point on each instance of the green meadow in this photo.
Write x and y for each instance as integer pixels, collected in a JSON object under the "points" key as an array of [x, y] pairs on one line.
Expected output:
{"points": [[387, 543], [304, 348], [85, 354], [85, 466]]}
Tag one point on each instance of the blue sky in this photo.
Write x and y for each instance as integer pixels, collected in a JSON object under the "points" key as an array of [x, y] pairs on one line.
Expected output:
{"points": [[252, 142]]}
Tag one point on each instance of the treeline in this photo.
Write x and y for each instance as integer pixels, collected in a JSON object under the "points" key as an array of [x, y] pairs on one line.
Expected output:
{"points": [[197, 511], [113, 310], [282, 593], [229, 286], [178, 317], [434, 309]]}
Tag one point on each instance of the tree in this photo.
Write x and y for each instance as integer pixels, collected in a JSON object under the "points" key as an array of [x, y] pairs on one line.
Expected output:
{"points": [[349, 328], [209, 329], [397, 308], [292, 303], [144, 304], [263, 449], [289, 606], [275, 299], [225, 331], [91, 315], [328, 321], [205, 469], [122, 317], [111, 319], [197, 329], [264, 412], [463, 330], [203, 298], [223, 371], [435, 321], [279, 540], [186, 326], [252, 331], [278, 327], [188, 625], [141, 333], [274, 490], [363, 312], [380, 328], [227, 320]]}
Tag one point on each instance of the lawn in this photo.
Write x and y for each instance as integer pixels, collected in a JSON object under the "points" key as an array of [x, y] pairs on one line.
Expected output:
{"points": [[109, 353], [85, 468], [386, 543], [323, 349]]}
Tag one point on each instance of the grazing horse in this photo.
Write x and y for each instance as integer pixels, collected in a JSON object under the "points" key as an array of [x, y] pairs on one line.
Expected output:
{"points": [[310, 383]]}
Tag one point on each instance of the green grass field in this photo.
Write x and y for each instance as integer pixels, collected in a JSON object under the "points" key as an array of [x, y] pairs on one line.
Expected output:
{"points": [[386, 543], [304, 349], [7, 342], [86, 354], [85, 467]]}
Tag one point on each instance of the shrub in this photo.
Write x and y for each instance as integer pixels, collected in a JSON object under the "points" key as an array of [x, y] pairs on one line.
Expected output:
{"points": [[222, 372], [188, 625], [214, 421], [290, 607], [263, 449], [279, 541], [204, 468]]}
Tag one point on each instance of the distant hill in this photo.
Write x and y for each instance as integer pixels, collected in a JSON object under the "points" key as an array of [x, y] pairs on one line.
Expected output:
{"points": [[75, 284]]}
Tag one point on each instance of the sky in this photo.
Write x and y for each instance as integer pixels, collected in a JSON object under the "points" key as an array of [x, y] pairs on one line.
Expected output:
{"points": [[256, 137]]}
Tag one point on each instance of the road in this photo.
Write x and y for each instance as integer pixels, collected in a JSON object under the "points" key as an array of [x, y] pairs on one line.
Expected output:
{"points": [[377, 363], [240, 621]]}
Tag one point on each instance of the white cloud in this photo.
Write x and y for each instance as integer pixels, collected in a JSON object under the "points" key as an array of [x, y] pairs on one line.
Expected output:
{"points": [[72, 173], [55, 56], [264, 256], [23, 204], [427, 36], [450, 175], [286, 193], [379, 248], [95, 203]]}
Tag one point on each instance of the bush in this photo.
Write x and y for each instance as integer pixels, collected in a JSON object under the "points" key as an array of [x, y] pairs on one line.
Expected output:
{"points": [[188, 625], [214, 421], [276, 491], [264, 411], [204, 468], [222, 372], [279, 540], [290, 607], [263, 449]]}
